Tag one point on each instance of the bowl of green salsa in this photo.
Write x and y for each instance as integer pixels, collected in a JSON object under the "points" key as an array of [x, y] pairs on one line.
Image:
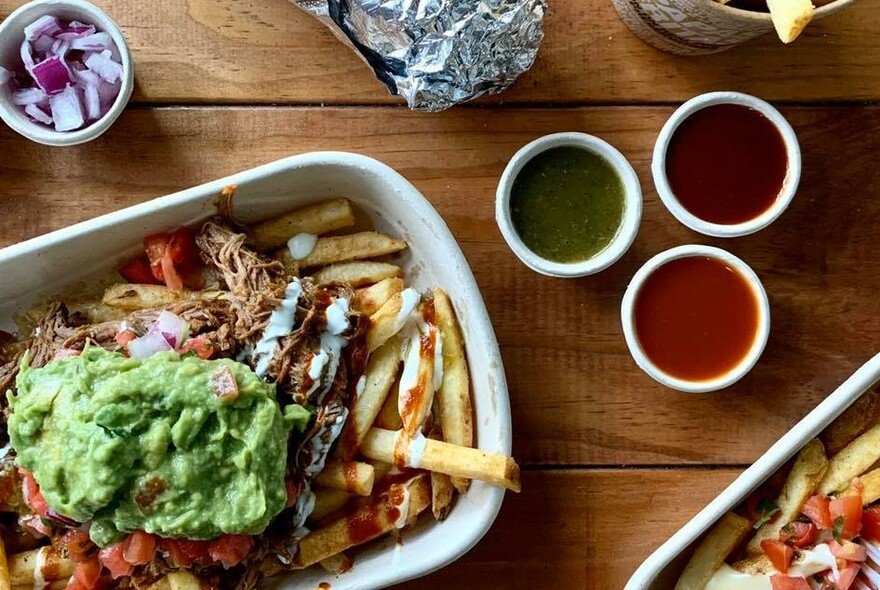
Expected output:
{"points": [[569, 205]]}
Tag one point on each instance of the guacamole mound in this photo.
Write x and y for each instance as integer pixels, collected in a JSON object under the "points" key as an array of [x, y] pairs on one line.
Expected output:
{"points": [[147, 444]]}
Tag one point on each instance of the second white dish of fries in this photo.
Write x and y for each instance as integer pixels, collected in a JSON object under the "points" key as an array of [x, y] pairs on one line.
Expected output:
{"points": [[425, 257]]}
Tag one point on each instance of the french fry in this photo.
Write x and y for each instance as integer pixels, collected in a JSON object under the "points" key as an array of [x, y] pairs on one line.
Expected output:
{"points": [[96, 312], [808, 470], [391, 317], [754, 565], [357, 274], [291, 266], [336, 564], [328, 501], [313, 219], [352, 477], [56, 585], [870, 483], [855, 420], [790, 17], [381, 370], [852, 461], [132, 296], [454, 396], [182, 580], [442, 490], [368, 244], [53, 566], [389, 417], [369, 299], [712, 551], [380, 516], [446, 458], [5, 579]]}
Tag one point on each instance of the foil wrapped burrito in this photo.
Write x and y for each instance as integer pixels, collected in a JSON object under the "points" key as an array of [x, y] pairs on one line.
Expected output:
{"points": [[438, 53]]}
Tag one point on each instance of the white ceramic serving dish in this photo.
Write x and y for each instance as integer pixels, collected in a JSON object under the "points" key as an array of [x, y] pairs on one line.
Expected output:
{"points": [[789, 184], [49, 264], [629, 225], [628, 321], [661, 569]]}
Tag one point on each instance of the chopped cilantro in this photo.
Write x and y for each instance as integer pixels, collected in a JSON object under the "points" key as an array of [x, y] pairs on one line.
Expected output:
{"points": [[765, 512], [837, 529]]}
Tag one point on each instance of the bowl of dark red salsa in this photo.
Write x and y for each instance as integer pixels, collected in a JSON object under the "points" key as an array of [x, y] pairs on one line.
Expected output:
{"points": [[726, 164]]}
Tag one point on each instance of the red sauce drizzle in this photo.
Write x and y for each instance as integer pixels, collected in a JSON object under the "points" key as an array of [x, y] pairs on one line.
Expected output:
{"points": [[726, 163], [349, 472], [696, 318]]}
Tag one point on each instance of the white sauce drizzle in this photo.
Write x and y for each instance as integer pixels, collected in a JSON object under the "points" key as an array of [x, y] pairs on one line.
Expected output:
{"points": [[301, 245], [417, 450], [39, 564], [361, 386], [323, 441], [325, 363], [409, 299], [280, 324], [403, 508], [438, 357], [4, 450], [303, 507], [409, 378], [819, 559]]}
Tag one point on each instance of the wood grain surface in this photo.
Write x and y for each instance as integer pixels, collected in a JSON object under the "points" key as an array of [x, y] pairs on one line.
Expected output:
{"points": [[614, 462], [222, 51]]}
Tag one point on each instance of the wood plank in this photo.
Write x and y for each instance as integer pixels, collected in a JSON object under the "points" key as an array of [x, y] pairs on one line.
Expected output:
{"points": [[207, 51], [588, 530], [578, 398]]}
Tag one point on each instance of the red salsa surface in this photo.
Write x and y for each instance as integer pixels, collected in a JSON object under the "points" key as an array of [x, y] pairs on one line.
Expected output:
{"points": [[696, 318], [726, 163]]}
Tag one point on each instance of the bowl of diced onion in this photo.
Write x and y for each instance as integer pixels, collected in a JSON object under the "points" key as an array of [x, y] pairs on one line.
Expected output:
{"points": [[66, 71]]}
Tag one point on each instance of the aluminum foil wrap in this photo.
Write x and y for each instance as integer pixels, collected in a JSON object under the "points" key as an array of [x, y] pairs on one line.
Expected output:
{"points": [[438, 53]]}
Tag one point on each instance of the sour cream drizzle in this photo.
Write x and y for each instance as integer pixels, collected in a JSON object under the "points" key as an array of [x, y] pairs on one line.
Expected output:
{"points": [[819, 559], [325, 363], [301, 245], [280, 324]]}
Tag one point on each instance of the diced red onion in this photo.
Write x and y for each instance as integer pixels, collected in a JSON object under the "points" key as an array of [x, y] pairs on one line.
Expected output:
{"points": [[75, 30], [94, 42], [171, 327], [67, 111], [27, 58], [223, 384], [28, 96], [104, 66], [81, 88], [60, 519], [45, 25], [37, 114], [51, 75], [148, 345]]}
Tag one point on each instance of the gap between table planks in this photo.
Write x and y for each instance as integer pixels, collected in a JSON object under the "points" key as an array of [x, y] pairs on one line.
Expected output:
{"points": [[232, 51], [818, 262]]}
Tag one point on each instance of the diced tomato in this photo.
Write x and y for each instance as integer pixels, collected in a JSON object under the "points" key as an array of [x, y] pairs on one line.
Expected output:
{"points": [[74, 584], [850, 508], [185, 553], [848, 550], [816, 509], [871, 523], [847, 577], [169, 271], [155, 247], [231, 549], [182, 245], [140, 548], [799, 534], [126, 336], [87, 572], [138, 270], [201, 344], [79, 546], [32, 495], [780, 582], [779, 554], [113, 559]]}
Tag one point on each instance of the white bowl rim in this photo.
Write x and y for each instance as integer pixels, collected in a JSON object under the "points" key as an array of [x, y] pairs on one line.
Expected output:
{"points": [[18, 121], [789, 184], [632, 213], [627, 312], [764, 17]]}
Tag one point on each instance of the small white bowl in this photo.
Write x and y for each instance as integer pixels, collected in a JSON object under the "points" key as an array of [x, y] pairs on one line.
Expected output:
{"points": [[789, 184], [632, 211], [11, 38], [627, 316]]}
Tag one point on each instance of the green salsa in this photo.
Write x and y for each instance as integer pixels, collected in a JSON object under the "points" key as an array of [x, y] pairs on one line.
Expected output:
{"points": [[567, 204]]}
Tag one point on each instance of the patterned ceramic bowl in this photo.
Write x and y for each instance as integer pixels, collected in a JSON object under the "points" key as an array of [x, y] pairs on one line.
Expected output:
{"points": [[699, 27]]}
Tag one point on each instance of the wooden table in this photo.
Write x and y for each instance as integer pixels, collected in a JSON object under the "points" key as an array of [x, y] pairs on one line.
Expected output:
{"points": [[613, 462]]}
